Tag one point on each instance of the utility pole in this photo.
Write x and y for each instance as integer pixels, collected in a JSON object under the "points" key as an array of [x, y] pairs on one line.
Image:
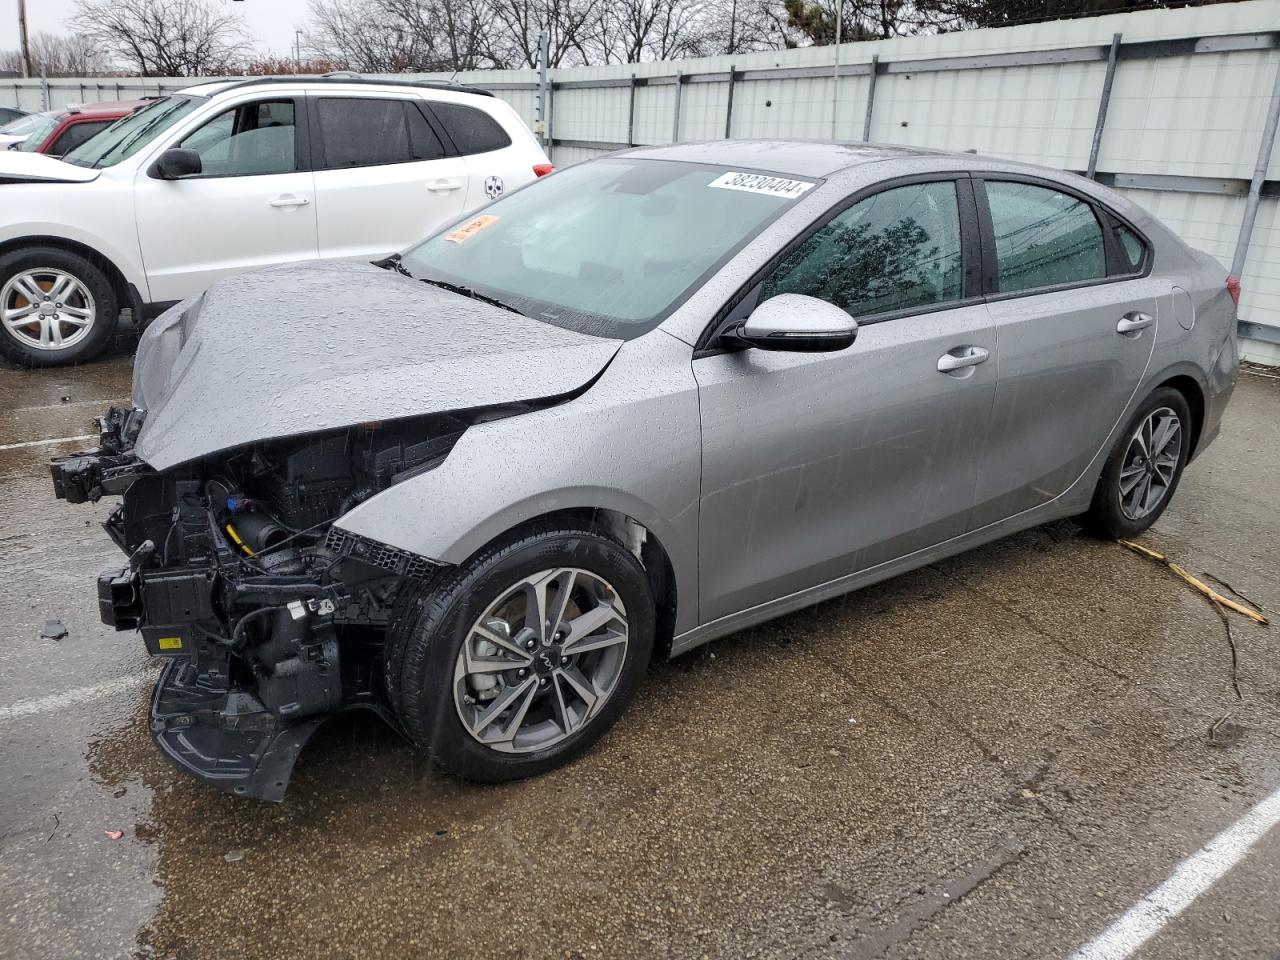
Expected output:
{"points": [[297, 51], [22, 36]]}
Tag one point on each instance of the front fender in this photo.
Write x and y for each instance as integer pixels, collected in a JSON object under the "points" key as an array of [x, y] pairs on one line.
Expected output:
{"points": [[631, 443], [97, 215]]}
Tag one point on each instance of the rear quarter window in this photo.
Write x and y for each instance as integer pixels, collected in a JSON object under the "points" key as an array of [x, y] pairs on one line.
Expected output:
{"points": [[1133, 252], [470, 129]]}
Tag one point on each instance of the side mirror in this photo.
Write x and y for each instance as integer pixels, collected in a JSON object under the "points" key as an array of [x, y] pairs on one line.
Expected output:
{"points": [[176, 163], [791, 321]]}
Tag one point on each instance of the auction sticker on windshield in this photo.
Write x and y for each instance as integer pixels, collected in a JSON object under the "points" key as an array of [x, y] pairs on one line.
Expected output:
{"points": [[470, 228], [759, 183]]}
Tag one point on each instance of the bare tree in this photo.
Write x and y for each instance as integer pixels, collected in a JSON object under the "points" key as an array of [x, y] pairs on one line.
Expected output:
{"points": [[629, 31], [58, 56], [164, 38], [363, 35], [571, 25]]}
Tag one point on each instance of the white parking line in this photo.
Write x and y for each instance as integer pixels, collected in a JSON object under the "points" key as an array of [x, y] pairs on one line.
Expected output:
{"points": [[1193, 877], [59, 701], [48, 443]]}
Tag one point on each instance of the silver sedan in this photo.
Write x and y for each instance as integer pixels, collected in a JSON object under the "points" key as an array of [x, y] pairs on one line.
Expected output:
{"points": [[643, 403]]}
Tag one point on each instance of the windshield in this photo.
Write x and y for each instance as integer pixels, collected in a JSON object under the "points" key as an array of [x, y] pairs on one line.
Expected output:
{"points": [[608, 247], [130, 134], [23, 126], [42, 125]]}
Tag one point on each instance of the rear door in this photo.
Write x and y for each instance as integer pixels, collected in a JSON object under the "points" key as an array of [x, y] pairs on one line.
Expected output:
{"points": [[251, 207], [384, 177], [819, 465], [496, 163], [1075, 313]]}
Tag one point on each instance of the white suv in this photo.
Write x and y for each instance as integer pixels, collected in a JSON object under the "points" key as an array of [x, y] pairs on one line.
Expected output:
{"points": [[231, 176]]}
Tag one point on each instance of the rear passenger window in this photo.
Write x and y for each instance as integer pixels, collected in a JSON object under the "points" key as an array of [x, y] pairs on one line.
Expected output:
{"points": [[1132, 250], [422, 139], [1043, 237], [365, 132], [471, 130], [892, 251]]}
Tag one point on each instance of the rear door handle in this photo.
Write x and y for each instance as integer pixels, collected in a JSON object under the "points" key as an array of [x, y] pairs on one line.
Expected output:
{"points": [[290, 201], [444, 186], [1134, 322], [962, 357]]}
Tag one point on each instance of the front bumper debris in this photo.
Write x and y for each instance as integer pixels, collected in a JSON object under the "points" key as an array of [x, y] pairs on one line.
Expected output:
{"points": [[223, 735]]}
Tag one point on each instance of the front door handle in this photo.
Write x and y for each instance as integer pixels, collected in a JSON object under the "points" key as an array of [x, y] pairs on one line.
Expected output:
{"points": [[962, 357], [288, 200], [444, 186], [1134, 323]]}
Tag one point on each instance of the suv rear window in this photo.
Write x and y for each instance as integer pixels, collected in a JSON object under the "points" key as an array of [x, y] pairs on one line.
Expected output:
{"points": [[365, 132], [472, 130]]}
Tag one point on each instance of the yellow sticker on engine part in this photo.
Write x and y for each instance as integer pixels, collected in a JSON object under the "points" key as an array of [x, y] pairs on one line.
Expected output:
{"points": [[470, 228], [169, 643]]}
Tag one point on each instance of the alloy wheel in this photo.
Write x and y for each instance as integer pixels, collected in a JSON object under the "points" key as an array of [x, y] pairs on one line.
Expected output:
{"points": [[1150, 463], [46, 309], [539, 664]]}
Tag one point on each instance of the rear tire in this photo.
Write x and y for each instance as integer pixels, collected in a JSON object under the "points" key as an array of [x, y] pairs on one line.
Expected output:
{"points": [[74, 327], [1137, 482], [559, 691]]}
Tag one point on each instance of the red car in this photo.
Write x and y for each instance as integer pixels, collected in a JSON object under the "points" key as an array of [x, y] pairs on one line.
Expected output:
{"points": [[58, 132]]}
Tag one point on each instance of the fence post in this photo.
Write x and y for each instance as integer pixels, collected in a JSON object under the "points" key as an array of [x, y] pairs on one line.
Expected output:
{"points": [[728, 110], [1103, 103], [675, 116], [544, 94], [1259, 174], [631, 113], [871, 98], [44, 89]]}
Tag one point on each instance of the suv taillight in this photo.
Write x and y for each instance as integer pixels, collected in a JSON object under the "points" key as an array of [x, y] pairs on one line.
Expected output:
{"points": [[542, 169], [1233, 288]]}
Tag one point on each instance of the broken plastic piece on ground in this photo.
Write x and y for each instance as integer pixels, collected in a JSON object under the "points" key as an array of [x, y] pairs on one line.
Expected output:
{"points": [[1196, 582], [232, 856], [54, 629], [114, 834]]}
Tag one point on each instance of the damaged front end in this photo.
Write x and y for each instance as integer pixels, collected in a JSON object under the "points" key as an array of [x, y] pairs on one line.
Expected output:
{"points": [[272, 618]]}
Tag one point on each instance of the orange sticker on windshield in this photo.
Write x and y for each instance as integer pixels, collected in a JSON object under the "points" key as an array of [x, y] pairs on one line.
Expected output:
{"points": [[470, 228]]}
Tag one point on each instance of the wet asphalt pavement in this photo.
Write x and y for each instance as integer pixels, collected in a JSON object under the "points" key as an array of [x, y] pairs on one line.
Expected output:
{"points": [[992, 757]]}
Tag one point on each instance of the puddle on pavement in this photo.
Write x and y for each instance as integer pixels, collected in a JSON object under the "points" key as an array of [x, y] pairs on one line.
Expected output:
{"points": [[792, 780]]}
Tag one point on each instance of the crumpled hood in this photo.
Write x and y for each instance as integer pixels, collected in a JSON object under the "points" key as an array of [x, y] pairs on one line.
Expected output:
{"points": [[38, 168], [319, 346]]}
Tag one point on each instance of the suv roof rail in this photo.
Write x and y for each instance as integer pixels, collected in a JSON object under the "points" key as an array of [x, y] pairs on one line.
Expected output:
{"points": [[342, 76]]}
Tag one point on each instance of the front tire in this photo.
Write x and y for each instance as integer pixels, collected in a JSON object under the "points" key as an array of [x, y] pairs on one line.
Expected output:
{"points": [[56, 307], [1143, 468], [524, 657]]}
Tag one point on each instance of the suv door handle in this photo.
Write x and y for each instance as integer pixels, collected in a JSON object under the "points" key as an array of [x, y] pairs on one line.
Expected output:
{"points": [[962, 357], [443, 186], [289, 201], [1134, 322]]}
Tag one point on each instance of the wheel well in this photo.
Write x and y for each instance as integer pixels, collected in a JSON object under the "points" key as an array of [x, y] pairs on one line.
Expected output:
{"points": [[1195, 400], [647, 549], [118, 282]]}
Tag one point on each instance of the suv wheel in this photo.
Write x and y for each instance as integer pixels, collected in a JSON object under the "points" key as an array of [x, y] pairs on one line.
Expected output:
{"points": [[56, 307], [1144, 467], [524, 657]]}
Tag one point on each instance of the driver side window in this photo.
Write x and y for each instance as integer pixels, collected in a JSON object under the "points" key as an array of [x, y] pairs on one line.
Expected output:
{"points": [[251, 139], [892, 251]]}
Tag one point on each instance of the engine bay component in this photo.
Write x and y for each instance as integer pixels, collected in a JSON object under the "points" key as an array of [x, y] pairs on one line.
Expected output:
{"points": [[271, 618]]}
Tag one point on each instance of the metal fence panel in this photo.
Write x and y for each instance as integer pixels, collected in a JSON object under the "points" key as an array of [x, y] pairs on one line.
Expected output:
{"points": [[1180, 130]]}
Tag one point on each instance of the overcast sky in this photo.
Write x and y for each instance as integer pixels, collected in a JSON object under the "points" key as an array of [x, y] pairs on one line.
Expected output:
{"points": [[270, 22]]}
